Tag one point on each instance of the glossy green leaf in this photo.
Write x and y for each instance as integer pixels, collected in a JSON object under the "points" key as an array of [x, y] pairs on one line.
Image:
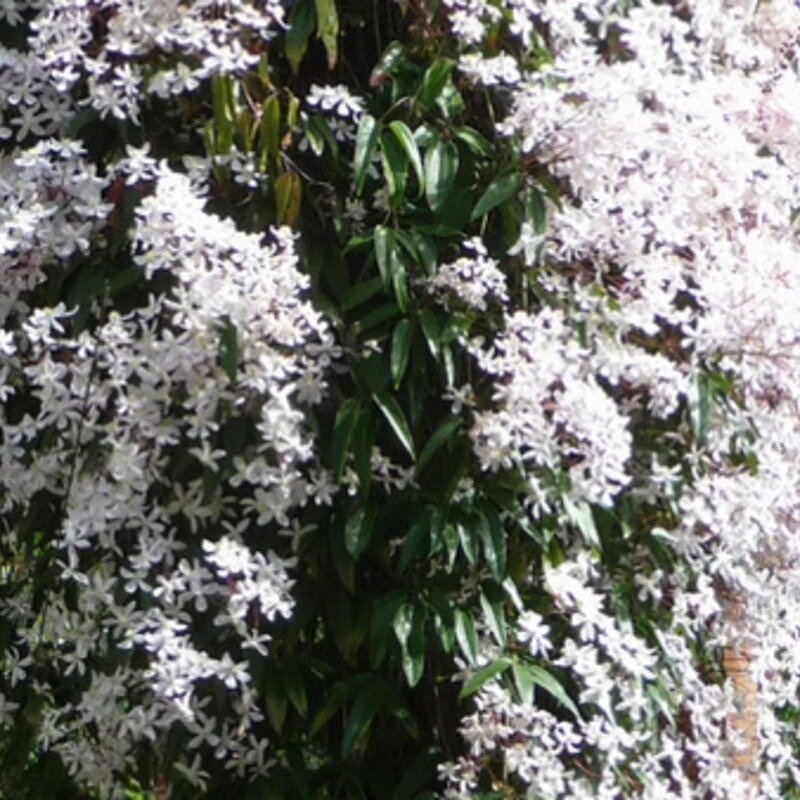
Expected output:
{"points": [[399, 282], [439, 438], [301, 25], [495, 617], [406, 140], [372, 697], [413, 542], [343, 427], [434, 81], [493, 538], [378, 316], [277, 702], [483, 676], [542, 678], [358, 529], [328, 28], [441, 166], [269, 129], [431, 327], [382, 618], [360, 293], [401, 348], [497, 192], [288, 196], [386, 253], [394, 415], [296, 690], [580, 514], [367, 137], [468, 544], [409, 628], [361, 444], [476, 142], [466, 635], [395, 165]]}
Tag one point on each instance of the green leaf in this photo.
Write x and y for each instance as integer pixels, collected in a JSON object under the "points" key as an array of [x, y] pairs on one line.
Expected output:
{"points": [[409, 628], [401, 347], [476, 142], [483, 676], [542, 678], [390, 58], [431, 327], [288, 195], [382, 618], [497, 192], [269, 129], [467, 538], [422, 772], [441, 166], [396, 418], [493, 537], [343, 427], [450, 536], [319, 135], [366, 142], [580, 514], [439, 437], [361, 292], [387, 253], [296, 690], [276, 701], [372, 697], [301, 25], [524, 683], [406, 139], [412, 542], [358, 529], [399, 281], [466, 636], [328, 28], [361, 447], [495, 618], [229, 349], [378, 316], [395, 165], [434, 81]]}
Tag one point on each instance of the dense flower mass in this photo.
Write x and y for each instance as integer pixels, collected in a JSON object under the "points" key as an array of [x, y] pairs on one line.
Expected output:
{"points": [[471, 361]]}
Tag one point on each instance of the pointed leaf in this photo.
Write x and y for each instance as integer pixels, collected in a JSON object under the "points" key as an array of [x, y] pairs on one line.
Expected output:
{"points": [[441, 166], [483, 676], [541, 677], [366, 142], [406, 139], [401, 347], [497, 192], [396, 418], [395, 165], [301, 26], [328, 28], [343, 428], [466, 636], [439, 437], [358, 529], [434, 81], [372, 697], [288, 195]]}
